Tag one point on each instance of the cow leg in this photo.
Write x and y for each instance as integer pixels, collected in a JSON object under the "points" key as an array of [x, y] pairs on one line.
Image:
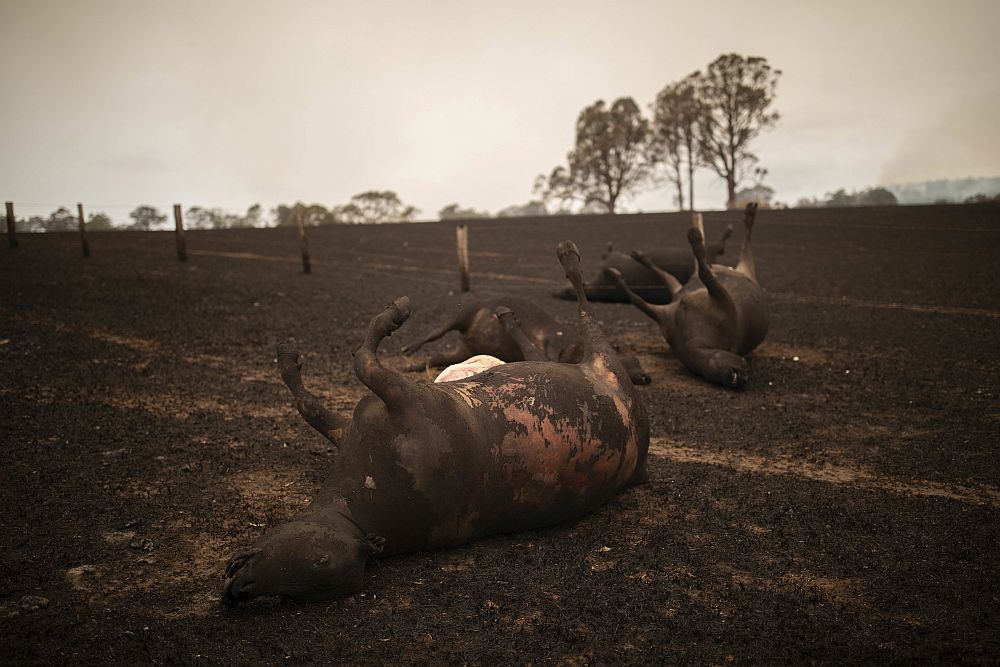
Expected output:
{"points": [[746, 265], [388, 385], [328, 423], [720, 248], [655, 311], [455, 352], [513, 328], [595, 343], [434, 334], [718, 293], [719, 366], [632, 366], [666, 278]]}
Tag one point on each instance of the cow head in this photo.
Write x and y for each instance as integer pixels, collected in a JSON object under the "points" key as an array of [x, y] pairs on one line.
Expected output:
{"points": [[302, 561]]}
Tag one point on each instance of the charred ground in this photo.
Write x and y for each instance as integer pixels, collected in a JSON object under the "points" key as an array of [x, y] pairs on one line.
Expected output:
{"points": [[843, 507]]}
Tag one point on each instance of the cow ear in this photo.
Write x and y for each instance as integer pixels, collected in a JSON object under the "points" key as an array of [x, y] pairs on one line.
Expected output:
{"points": [[374, 544]]}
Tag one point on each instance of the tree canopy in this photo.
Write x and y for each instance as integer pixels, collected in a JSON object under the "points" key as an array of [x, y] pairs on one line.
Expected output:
{"points": [[197, 217], [707, 119], [61, 220], [736, 93], [312, 215], [877, 196], [145, 218], [609, 160], [456, 212], [677, 113], [99, 222], [533, 208], [759, 194], [375, 206]]}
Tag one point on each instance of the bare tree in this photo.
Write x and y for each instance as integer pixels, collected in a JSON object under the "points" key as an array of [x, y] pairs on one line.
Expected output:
{"points": [[610, 159], [736, 93]]}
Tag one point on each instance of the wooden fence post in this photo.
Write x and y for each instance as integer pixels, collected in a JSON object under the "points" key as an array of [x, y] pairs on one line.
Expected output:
{"points": [[182, 253], [462, 241], [83, 232], [303, 241], [11, 232]]}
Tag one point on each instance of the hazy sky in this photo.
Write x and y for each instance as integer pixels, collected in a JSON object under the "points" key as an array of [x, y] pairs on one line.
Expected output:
{"points": [[227, 103]]}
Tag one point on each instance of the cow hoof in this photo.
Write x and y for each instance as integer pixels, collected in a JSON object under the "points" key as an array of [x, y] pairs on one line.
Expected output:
{"points": [[567, 248], [402, 308], [391, 318], [736, 379], [288, 348]]}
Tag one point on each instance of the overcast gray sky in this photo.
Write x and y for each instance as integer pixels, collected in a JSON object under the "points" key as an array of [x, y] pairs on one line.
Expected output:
{"points": [[226, 103]]}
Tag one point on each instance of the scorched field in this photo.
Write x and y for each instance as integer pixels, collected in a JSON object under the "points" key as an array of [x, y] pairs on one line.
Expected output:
{"points": [[843, 507]]}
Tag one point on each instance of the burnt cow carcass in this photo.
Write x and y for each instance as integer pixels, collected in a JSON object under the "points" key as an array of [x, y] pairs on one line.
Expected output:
{"points": [[430, 466]]}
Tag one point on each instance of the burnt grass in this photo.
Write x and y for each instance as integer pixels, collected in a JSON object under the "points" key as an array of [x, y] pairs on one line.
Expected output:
{"points": [[842, 508]]}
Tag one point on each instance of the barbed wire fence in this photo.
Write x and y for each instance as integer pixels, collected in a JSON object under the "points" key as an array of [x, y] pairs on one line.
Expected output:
{"points": [[32, 223], [178, 215]]}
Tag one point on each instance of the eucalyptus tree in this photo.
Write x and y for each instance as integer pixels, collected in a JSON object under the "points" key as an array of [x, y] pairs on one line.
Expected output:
{"points": [[736, 93], [610, 159]]}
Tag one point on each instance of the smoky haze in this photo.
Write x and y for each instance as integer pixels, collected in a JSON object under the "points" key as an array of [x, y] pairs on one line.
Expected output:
{"points": [[229, 103], [964, 141]]}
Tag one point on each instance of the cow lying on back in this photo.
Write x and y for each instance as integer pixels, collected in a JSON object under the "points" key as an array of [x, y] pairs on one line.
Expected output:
{"points": [[714, 319], [644, 282], [428, 466], [480, 332]]}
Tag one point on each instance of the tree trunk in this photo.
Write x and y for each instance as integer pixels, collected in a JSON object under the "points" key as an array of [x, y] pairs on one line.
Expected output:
{"points": [[731, 191], [690, 181], [680, 192]]}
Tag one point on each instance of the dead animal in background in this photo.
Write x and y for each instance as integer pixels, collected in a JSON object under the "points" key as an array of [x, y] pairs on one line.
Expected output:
{"points": [[717, 317]]}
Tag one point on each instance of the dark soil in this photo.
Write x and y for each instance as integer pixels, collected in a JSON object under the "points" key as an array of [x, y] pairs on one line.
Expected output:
{"points": [[842, 508]]}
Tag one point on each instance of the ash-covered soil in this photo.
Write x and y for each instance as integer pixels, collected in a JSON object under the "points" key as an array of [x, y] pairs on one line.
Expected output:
{"points": [[842, 508]]}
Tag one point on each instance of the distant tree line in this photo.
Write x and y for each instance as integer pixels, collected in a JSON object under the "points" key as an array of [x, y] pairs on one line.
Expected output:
{"points": [[533, 208], [975, 199], [868, 197], [371, 207], [62, 220], [947, 191], [364, 208], [706, 120]]}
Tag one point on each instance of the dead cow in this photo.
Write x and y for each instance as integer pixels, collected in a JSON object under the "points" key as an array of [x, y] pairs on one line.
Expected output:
{"points": [[480, 332], [714, 319], [429, 466], [644, 282]]}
